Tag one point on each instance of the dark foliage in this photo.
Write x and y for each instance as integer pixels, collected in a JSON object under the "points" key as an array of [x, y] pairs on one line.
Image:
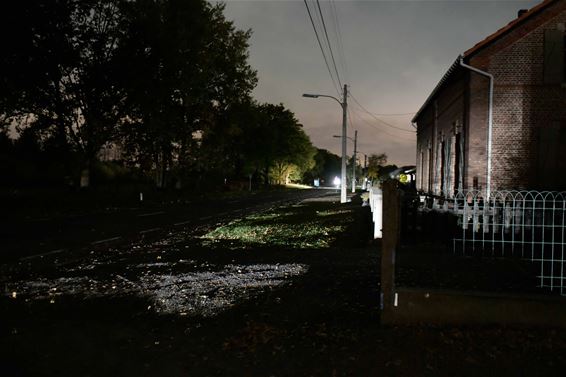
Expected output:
{"points": [[165, 85]]}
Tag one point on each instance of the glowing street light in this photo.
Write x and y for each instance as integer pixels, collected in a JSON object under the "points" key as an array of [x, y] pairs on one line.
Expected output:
{"points": [[336, 181]]}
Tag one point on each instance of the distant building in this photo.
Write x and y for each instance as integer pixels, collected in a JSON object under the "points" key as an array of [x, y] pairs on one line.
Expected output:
{"points": [[527, 60]]}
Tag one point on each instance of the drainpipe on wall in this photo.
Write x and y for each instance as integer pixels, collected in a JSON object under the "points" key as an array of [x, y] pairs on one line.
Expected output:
{"points": [[489, 122]]}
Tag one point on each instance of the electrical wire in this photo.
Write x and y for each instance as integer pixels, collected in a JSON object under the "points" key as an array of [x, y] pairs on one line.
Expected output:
{"points": [[392, 114], [321, 48], [349, 115], [340, 43], [329, 44], [350, 119], [376, 118], [381, 129]]}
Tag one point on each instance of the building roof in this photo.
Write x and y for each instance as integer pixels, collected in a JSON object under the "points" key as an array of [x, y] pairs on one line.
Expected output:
{"points": [[507, 28], [482, 44], [440, 84]]}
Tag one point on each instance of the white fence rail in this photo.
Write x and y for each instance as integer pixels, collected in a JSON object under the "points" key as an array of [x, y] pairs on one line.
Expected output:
{"points": [[527, 224]]}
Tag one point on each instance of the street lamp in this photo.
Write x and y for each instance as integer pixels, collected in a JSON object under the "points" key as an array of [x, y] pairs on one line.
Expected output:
{"points": [[355, 140], [344, 105], [347, 137]]}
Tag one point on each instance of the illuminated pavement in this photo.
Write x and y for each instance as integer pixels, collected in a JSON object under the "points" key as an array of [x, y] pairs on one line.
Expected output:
{"points": [[160, 270]]}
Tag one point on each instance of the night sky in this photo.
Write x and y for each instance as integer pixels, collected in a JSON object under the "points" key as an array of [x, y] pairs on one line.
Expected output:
{"points": [[393, 54]]}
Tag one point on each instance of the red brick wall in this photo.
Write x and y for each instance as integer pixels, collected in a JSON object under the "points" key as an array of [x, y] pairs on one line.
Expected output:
{"points": [[522, 102], [425, 132], [476, 132], [435, 125], [523, 105]]}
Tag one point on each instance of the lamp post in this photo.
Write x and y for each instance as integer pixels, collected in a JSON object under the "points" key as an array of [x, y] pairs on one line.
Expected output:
{"points": [[344, 105], [355, 140]]}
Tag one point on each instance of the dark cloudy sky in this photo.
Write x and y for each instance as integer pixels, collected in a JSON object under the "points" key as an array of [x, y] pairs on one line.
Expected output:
{"points": [[394, 53]]}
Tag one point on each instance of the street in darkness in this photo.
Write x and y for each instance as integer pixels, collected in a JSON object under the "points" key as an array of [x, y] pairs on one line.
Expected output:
{"points": [[282, 188], [290, 290]]}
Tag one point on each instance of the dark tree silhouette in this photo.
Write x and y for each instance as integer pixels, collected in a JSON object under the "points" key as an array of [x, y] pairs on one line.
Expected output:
{"points": [[58, 72], [190, 67], [165, 81]]}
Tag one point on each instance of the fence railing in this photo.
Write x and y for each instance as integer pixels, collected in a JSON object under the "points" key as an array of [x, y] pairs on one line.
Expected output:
{"points": [[526, 224]]}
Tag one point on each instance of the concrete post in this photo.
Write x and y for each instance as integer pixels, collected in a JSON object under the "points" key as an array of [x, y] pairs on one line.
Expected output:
{"points": [[391, 216], [377, 211], [355, 162], [344, 182]]}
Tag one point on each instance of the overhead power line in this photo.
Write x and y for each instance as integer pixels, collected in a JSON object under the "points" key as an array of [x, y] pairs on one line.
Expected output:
{"points": [[350, 120], [381, 129], [392, 114], [322, 49], [340, 43], [329, 44], [376, 118]]}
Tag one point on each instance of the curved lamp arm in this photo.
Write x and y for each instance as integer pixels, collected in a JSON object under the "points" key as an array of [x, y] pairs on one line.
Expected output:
{"points": [[322, 95]]}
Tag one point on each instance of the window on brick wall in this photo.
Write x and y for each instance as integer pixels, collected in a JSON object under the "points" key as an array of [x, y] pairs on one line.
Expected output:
{"points": [[447, 165], [430, 171], [442, 167], [422, 172], [442, 173], [458, 160], [551, 156], [554, 56]]}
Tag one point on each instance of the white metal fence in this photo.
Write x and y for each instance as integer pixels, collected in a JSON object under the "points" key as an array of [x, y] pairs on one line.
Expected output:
{"points": [[527, 224]]}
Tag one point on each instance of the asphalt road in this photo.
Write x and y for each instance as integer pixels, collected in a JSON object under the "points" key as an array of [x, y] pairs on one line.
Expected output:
{"points": [[27, 238]]}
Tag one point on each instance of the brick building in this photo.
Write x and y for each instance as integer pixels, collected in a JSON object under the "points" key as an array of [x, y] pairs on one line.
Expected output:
{"points": [[524, 145]]}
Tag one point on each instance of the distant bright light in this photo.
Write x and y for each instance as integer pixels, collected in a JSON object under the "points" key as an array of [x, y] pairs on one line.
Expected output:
{"points": [[337, 181]]}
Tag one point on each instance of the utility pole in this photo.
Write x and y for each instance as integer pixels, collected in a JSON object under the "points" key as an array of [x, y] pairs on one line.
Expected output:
{"points": [[364, 185], [344, 105], [343, 182], [355, 161]]}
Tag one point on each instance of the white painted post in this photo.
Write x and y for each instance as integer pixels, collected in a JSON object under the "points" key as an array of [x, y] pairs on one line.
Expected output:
{"points": [[377, 198]]}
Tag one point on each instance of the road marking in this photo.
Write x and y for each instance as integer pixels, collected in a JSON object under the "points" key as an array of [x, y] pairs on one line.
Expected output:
{"points": [[149, 230], [43, 254], [151, 214], [40, 219], [105, 240], [182, 223]]}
